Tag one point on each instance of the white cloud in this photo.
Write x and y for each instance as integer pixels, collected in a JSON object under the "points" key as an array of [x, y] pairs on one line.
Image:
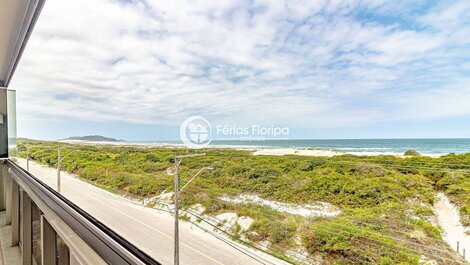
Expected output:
{"points": [[302, 63]]}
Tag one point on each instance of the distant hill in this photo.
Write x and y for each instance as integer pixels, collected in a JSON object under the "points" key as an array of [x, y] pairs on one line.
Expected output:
{"points": [[27, 139], [93, 138]]}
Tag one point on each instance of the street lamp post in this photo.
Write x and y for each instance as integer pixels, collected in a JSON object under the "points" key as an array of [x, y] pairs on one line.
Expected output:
{"points": [[59, 165], [199, 172], [27, 162], [178, 160]]}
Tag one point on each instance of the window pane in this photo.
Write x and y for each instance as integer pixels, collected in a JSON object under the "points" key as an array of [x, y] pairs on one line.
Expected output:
{"points": [[11, 106], [3, 124]]}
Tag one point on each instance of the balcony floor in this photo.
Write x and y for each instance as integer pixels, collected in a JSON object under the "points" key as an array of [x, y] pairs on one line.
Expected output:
{"points": [[8, 255]]}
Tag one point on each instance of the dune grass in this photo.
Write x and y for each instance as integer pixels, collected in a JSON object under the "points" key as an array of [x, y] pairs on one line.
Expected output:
{"points": [[385, 201]]}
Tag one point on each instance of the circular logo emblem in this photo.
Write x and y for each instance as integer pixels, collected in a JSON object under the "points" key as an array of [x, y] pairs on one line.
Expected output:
{"points": [[196, 131]]}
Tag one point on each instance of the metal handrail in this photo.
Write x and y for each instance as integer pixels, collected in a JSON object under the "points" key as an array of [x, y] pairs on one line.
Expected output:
{"points": [[113, 248]]}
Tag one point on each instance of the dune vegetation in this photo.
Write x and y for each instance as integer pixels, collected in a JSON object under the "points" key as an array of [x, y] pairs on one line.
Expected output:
{"points": [[385, 201]]}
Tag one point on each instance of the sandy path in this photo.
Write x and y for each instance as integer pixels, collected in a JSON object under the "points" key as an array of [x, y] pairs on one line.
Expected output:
{"points": [[449, 219]]}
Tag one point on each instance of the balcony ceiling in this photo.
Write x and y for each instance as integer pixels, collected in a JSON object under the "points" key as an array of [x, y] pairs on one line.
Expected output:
{"points": [[17, 18]]}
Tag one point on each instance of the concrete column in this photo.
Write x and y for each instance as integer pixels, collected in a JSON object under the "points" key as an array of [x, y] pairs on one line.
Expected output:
{"points": [[15, 214], [48, 242], [7, 184], [26, 214]]}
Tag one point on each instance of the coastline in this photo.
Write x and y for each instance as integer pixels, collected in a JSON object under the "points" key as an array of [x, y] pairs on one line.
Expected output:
{"points": [[299, 152], [257, 150]]}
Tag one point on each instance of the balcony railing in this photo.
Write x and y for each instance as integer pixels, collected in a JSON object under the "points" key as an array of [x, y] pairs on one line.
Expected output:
{"points": [[47, 228]]}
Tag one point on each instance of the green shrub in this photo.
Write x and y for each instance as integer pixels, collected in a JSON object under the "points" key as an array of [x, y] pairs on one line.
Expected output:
{"points": [[368, 168], [382, 194], [411, 153]]}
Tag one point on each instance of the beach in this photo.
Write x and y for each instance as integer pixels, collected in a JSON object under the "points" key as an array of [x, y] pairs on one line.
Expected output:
{"points": [[299, 152], [262, 150]]}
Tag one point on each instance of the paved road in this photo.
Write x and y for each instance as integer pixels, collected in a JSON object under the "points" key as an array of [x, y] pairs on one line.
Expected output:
{"points": [[148, 229]]}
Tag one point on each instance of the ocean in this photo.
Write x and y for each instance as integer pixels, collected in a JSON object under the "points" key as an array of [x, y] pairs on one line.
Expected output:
{"points": [[432, 147]]}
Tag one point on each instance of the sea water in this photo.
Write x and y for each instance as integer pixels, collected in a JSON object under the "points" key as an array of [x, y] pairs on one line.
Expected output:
{"points": [[433, 147]]}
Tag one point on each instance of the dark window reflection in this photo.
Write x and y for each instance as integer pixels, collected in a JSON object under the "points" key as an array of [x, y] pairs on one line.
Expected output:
{"points": [[36, 234], [20, 216], [63, 254]]}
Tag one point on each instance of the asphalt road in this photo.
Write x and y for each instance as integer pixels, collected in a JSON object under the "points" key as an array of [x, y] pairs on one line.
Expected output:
{"points": [[150, 230]]}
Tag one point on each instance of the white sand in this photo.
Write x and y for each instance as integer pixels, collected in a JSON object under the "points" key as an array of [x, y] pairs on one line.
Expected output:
{"points": [[324, 153], [245, 223], [300, 152], [256, 151], [318, 209], [449, 219]]}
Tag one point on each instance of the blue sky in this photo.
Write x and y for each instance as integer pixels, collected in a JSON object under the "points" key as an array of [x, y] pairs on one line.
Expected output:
{"points": [[326, 69]]}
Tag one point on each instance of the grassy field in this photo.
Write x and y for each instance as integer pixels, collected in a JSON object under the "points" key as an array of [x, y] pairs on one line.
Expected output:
{"points": [[385, 201]]}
